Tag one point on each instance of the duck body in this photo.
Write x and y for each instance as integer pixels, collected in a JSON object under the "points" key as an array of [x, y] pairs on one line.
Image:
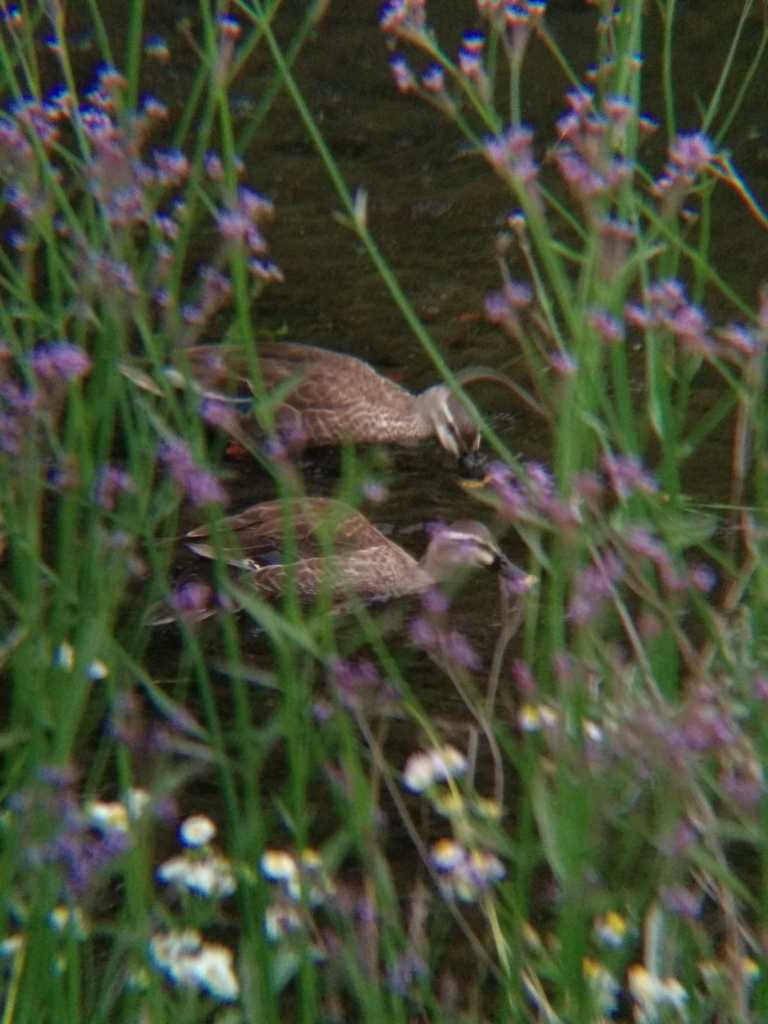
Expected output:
{"points": [[322, 545], [332, 398]]}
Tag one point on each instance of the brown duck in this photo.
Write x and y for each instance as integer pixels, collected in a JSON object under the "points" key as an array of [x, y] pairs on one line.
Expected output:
{"points": [[330, 398], [334, 547]]}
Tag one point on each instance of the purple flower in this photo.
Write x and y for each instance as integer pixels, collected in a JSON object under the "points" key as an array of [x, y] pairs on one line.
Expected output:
{"points": [[593, 586], [435, 602], [642, 542], [254, 205], [689, 325], [515, 582], [470, 62], [740, 340], [172, 167], [627, 476], [118, 274], [584, 181], [201, 486], [423, 632], [512, 153], [402, 74], [457, 649], [125, 206], [503, 307], [229, 27], [157, 47], [233, 225], [619, 109], [53, 829], [681, 901], [166, 225], [580, 101], [606, 326], [433, 79], [703, 578], [191, 597], [405, 18], [358, 683], [110, 79], [193, 315], [449, 644], [220, 414], [406, 973], [636, 316], [514, 502], [588, 487], [691, 154], [11, 434], [60, 360], [473, 41], [706, 726], [266, 270], [110, 484], [204, 489], [214, 168]]}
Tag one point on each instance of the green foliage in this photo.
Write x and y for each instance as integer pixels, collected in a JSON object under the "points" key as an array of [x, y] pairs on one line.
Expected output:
{"points": [[577, 831]]}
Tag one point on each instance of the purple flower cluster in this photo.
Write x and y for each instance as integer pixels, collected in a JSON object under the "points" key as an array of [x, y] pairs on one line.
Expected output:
{"points": [[54, 831], [200, 485], [222, 415], [511, 156], [470, 57], [529, 495], [515, 21], [405, 19], [432, 632], [607, 327], [689, 157], [111, 483], [593, 587], [240, 224], [59, 361], [128, 187], [667, 307], [358, 685], [626, 476], [504, 307], [215, 293], [54, 365], [589, 154], [15, 147]]}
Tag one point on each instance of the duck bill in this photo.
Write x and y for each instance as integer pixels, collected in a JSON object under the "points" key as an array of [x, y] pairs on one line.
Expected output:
{"points": [[472, 485], [473, 470]]}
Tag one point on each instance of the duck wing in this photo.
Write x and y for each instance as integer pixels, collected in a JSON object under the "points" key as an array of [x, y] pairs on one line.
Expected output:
{"points": [[299, 529], [329, 396]]}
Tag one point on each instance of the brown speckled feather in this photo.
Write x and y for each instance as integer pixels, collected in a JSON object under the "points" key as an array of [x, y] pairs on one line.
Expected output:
{"points": [[335, 547], [331, 397]]}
